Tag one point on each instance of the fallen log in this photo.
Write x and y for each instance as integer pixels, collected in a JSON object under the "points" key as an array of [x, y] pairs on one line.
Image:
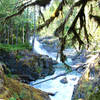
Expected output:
{"points": [[52, 94], [63, 74]]}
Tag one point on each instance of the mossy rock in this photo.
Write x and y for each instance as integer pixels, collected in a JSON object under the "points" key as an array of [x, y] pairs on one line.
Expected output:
{"points": [[22, 91], [95, 95], [89, 89], [14, 90]]}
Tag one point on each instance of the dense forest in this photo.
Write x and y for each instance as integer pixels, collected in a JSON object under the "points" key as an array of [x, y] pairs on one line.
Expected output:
{"points": [[20, 19], [55, 26]]}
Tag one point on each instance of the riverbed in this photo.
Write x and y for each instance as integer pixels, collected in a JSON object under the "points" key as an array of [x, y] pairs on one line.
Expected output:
{"points": [[62, 91]]}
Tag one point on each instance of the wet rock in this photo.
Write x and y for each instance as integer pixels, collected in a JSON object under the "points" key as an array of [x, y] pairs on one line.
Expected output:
{"points": [[50, 44], [96, 90], [81, 95], [25, 63], [74, 78], [92, 71], [52, 94], [81, 69], [64, 80]]}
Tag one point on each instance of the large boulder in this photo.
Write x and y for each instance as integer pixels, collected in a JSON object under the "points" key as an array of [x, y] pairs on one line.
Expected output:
{"points": [[64, 80], [11, 89], [27, 65], [35, 66]]}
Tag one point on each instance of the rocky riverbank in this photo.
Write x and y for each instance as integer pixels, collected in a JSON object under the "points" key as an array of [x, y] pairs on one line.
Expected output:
{"points": [[11, 89], [23, 66], [27, 66], [88, 87]]}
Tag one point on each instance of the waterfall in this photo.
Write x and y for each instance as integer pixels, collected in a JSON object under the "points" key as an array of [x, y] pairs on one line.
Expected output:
{"points": [[38, 48]]}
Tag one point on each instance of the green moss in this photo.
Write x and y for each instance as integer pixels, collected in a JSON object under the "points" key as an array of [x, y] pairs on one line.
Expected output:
{"points": [[86, 88], [8, 47], [21, 96], [38, 69], [12, 98], [14, 90], [10, 75], [19, 57], [98, 67], [95, 95]]}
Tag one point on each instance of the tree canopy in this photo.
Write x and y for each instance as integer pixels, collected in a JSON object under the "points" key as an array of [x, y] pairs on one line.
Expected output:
{"points": [[76, 20]]}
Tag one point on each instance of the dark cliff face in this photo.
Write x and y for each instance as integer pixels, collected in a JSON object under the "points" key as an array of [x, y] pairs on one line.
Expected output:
{"points": [[26, 65], [11, 89]]}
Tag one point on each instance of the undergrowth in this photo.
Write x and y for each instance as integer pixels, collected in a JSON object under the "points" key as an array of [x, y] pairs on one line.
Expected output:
{"points": [[9, 47]]}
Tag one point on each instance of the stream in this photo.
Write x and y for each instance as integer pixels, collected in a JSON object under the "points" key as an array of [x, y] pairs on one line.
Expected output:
{"points": [[62, 91]]}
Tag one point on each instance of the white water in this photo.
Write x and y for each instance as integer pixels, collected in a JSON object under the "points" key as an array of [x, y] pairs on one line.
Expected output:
{"points": [[38, 47], [63, 91], [40, 50]]}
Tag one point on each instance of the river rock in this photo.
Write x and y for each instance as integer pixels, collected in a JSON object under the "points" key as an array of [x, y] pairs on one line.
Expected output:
{"points": [[74, 78], [64, 80], [50, 43]]}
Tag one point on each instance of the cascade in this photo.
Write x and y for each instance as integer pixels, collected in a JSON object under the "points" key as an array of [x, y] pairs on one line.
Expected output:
{"points": [[38, 48], [63, 91], [33, 39]]}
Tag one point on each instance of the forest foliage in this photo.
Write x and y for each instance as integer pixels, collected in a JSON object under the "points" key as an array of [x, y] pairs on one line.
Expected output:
{"points": [[70, 21]]}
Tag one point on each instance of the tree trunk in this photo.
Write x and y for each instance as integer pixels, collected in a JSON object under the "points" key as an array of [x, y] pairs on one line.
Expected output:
{"points": [[27, 27], [11, 36], [27, 32], [17, 36], [8, 35], [23, 35], [4, 33]]}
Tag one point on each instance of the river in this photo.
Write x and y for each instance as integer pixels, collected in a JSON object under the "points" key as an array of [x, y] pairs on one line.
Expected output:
{"points": [[62, 91]]}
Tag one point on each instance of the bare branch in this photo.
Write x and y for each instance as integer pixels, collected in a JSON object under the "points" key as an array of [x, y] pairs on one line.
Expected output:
{"points": [[51, 19], [61, 27], [40, 12]]}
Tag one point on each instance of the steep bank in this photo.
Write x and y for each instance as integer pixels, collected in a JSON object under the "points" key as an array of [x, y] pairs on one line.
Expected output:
{"points": [[11, 89], [88, 87]]}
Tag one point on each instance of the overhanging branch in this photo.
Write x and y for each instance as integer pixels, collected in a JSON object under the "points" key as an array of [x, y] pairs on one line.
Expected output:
{"points": [[51, 19], [41, 3]]}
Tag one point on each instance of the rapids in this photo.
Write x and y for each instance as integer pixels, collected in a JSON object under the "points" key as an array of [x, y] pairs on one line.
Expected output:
{"points": [[62, 91]]}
